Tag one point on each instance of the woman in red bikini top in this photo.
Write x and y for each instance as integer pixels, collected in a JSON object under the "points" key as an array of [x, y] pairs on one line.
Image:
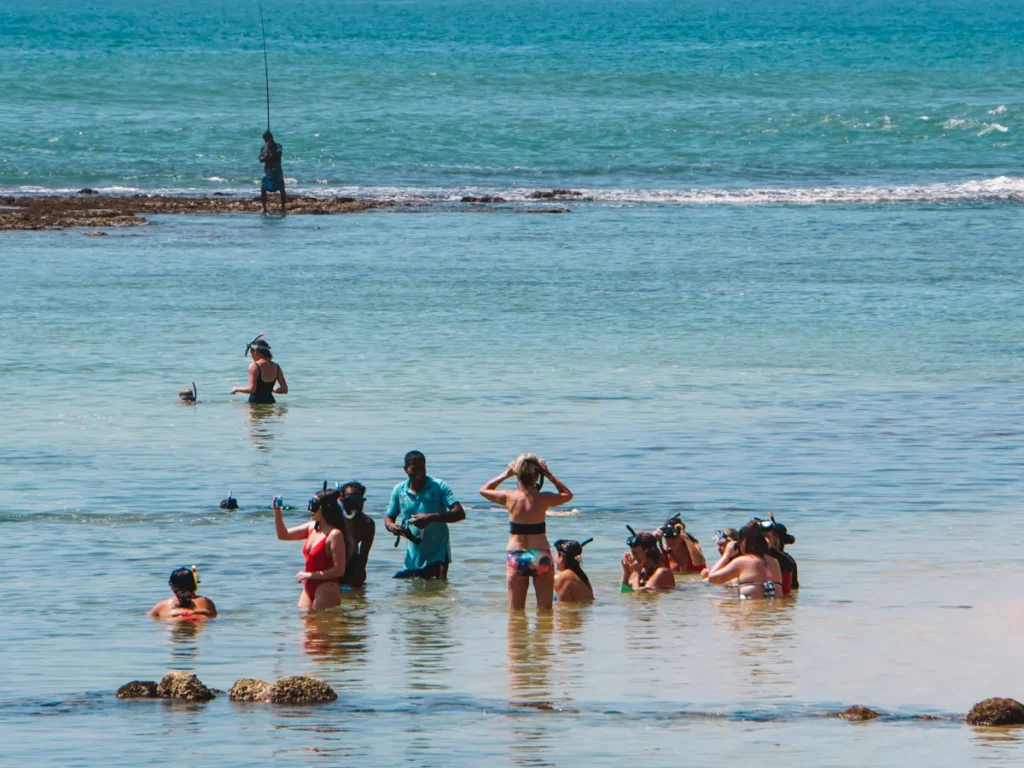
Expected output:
{"points": [[324, 549], [682, 551], [186, 605]]}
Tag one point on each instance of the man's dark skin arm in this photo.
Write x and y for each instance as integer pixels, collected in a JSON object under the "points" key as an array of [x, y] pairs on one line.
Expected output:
{"points": [[454, 514], [367, 532]]}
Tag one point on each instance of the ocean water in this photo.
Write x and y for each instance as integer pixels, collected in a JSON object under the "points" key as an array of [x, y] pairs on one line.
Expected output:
{"points": [[774, 302]]}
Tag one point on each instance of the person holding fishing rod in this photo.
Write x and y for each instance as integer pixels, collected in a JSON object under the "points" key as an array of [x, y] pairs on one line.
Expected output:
{"points": [[273, 175], [270, 155]]}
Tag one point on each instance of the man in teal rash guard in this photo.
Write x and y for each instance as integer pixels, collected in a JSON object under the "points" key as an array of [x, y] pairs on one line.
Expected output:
{"points": [[423, 507]]}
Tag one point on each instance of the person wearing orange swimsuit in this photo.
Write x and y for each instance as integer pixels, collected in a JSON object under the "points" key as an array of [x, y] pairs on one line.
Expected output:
{"points": [[186, 605], [324, 549]]}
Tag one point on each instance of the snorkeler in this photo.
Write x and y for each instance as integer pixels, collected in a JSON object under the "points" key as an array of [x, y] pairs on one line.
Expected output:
{"points": [[778, 537], [528, 554], [359, 532], [748, 563], [273, 175], [324, 549], [682, 550], [643, 567], [261, 389], [571, 583], [426, 506], [186, 605]]}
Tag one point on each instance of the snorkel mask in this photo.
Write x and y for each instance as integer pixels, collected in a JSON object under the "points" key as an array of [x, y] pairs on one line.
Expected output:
{"points": [[248, 347], [352, 502], [229, 503]]}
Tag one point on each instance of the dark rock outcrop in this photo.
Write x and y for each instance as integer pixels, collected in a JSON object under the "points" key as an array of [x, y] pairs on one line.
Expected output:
{"points": [[483, 199], [996, 712], [138, 689], [859, 714], [250, 689], [183, 685], [300, 690]]}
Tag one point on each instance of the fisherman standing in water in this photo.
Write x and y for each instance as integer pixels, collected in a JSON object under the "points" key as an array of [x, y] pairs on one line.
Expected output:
{"points": [[273, 176]]}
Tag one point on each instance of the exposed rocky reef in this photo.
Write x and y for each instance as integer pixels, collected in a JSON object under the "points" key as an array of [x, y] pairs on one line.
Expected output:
{"points": [[184, 686], [138, 689], [92, 210], [859, 714], [249, 689], [300, 690], [996, 712]]}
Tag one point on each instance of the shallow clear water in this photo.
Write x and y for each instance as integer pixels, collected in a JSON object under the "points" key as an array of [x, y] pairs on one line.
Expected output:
{"points": [[671, 346], [854, 369]]}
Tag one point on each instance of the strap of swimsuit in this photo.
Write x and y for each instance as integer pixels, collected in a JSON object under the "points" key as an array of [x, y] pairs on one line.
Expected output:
{"points": [[525, 528]]}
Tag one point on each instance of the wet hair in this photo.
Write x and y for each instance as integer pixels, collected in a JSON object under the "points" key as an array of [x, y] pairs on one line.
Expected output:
{"points": [[411, 456], [183, 585], [572, 551], [752, 540], [327, 502], [649, 544], [526, 468], [261, 346]]}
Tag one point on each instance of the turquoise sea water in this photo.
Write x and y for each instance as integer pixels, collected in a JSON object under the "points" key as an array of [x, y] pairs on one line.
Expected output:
{"points": [[676, 345]]}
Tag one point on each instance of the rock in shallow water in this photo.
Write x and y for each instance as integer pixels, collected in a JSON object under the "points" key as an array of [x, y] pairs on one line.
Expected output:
{"points": [[300, 690], [859, 714], [249, 689], [996, 712], [183, 685], [138, 689]]}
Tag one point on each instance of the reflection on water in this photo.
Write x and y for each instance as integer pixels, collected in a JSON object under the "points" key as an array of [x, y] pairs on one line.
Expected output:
{"points": [[339, 636], [183, 635], [264, 423], [530, 657], [760, 632], [423, 632]]}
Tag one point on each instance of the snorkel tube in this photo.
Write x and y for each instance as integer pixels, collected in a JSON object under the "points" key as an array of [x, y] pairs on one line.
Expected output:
{"points": [[195, 578], [405, 533], [248, 347]]}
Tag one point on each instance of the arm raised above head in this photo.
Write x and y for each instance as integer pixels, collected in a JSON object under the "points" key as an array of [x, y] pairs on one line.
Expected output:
{"points": [[490, 489]]}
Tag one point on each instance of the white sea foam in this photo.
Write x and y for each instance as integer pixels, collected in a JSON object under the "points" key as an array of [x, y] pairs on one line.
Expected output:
{"points": [[998, 189]]}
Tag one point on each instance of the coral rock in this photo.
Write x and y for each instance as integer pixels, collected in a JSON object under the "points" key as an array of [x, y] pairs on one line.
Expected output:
{"points": [[996, 712], [183, 685], [249, 689], [138, 689], [859, 714], [300, 690]]}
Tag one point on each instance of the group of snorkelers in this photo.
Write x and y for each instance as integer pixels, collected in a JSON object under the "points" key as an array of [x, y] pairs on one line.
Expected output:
{"points": [[753, 558], [338, 537]]}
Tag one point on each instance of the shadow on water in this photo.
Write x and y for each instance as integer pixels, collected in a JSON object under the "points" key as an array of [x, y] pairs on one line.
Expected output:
{"points": [[340, 636], [264, 424]]}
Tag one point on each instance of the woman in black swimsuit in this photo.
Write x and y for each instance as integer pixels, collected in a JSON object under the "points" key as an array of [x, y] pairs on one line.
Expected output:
{"points": [[261, 389]]}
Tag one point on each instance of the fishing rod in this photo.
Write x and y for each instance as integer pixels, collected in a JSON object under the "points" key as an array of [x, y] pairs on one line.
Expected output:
{"points": [[266, 67]]}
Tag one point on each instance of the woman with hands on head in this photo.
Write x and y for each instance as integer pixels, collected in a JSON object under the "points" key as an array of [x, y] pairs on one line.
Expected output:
{"points": [[747, 562], [528, 553], [324, 549]]}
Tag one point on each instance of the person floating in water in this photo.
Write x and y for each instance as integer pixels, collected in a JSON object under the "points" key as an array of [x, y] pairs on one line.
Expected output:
{"points": [[528, 554], [186, 605], [426, 506], [261, 389], [359, 530], [273, 176]]}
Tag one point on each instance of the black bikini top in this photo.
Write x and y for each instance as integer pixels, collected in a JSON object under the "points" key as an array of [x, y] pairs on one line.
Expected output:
{"points": [[522, 528]]}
